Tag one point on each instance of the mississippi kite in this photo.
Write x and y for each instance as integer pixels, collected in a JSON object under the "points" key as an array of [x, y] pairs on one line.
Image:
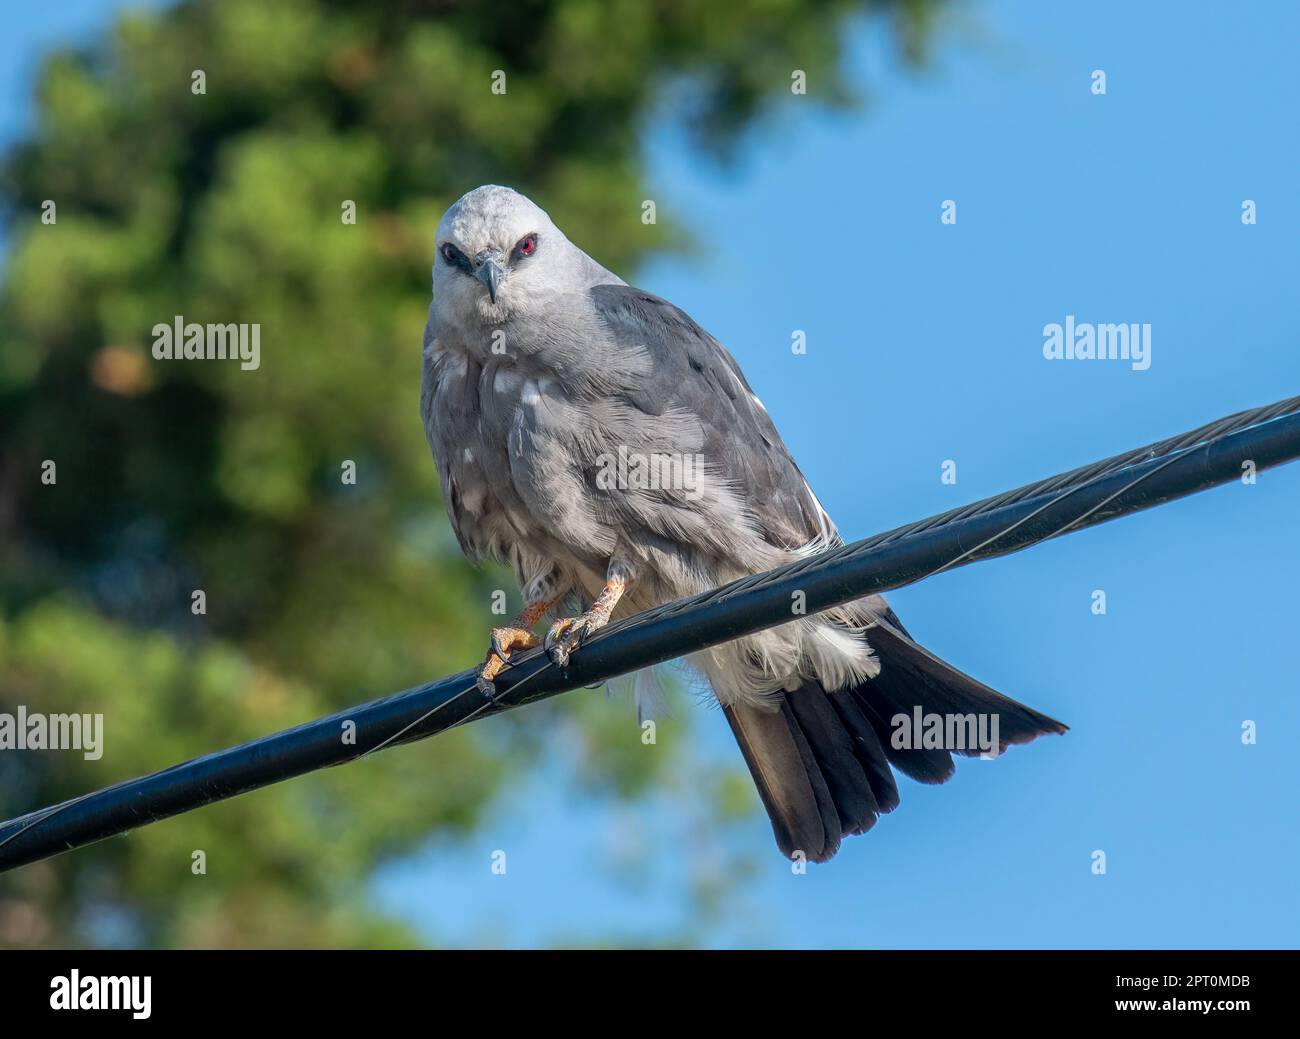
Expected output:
{"points": [[595, 439]]}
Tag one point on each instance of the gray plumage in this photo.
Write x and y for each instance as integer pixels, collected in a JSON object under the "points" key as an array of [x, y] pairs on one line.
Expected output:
{"points": [[541, 369]]}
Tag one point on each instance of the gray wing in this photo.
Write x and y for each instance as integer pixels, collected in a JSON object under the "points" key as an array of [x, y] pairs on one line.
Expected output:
{"points": [[447, 417], [692, 372]]}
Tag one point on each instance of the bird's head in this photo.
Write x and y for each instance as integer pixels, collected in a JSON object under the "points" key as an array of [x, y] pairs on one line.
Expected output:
{"points": [[496, 252]]}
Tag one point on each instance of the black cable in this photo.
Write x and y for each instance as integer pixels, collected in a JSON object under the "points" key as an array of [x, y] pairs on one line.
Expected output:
{"points": [[1178, 466]]}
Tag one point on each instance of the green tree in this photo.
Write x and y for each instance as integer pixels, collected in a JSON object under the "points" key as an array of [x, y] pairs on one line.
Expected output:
{"points": [[199, 161]]}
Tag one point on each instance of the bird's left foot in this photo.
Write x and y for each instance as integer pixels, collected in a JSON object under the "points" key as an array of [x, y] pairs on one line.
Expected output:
{"points": [[568, 633]]}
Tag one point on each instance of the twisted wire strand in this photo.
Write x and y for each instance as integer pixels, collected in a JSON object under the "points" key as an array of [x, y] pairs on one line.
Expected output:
{"points": [[1059, 485]]}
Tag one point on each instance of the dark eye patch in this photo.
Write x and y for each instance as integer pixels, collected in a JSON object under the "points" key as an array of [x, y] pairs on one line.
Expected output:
{"points": [[455, 258], [526, 246]]}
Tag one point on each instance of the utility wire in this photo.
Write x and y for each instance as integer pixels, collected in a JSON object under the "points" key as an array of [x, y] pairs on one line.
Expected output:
{"points": [[1210, 455]]}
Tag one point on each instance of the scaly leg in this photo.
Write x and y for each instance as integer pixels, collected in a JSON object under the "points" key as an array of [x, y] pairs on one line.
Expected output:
{"points": [[568, 633], [505, 640]]}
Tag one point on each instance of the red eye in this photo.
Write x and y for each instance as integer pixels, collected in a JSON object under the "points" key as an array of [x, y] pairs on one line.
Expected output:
{"points": [[527, 245]]}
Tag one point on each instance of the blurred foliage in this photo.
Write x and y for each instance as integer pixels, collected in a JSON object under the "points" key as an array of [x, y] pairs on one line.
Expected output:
{"points": [[174, 476]]}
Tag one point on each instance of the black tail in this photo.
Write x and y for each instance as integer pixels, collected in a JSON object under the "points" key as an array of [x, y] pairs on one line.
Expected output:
{"points": [[822, 761]]}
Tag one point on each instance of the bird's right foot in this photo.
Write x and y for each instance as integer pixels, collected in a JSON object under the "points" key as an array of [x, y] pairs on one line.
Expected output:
{"points": [[504, 642]]}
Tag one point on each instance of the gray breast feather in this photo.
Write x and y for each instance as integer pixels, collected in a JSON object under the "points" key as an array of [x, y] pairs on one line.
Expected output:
{"points": [[525, 446]]}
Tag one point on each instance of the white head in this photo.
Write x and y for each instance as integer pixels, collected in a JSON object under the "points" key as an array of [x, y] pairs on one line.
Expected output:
{"points": [[498, 252]]}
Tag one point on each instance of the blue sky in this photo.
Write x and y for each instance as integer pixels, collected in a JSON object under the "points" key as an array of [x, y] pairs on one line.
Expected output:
{"points": [[924, 344]]}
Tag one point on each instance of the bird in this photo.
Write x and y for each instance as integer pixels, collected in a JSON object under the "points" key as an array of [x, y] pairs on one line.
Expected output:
{"points": [[597, 441]]}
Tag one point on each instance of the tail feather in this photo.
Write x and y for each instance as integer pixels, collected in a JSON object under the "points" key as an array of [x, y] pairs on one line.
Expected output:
{"points": [[925, 765], [831, 744], [925, 681], [786, 779], [821, 761], [825, 799], [869, 749]]}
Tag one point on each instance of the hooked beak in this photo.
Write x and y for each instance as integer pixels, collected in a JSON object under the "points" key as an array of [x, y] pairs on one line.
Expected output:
{"points": [[490, 274]]}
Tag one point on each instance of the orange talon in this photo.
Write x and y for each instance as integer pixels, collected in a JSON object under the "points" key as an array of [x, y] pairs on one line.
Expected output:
{"points": [[568, 633], [507, 640]]}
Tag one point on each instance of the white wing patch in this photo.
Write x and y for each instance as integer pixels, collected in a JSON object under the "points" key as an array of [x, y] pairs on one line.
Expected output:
{"points": [[825, 525]]}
